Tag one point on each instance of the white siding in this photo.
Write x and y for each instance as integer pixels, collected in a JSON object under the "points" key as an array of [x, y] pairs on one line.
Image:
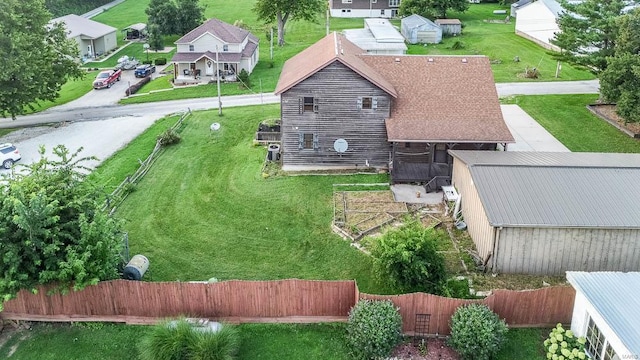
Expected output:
{"points": [[360, 13], [556, 250], [537, 23], [582, 310], [209, 42], [473, 212]]}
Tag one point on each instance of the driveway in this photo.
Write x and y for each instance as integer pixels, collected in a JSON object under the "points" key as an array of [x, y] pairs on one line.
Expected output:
{"points": [[529, 135]]}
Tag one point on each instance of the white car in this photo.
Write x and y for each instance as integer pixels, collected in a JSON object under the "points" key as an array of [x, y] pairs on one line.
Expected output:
{"points": [[8, 155]]}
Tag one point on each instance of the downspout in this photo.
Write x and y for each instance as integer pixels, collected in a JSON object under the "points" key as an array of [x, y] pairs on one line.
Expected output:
{"points": [[494, 261]]}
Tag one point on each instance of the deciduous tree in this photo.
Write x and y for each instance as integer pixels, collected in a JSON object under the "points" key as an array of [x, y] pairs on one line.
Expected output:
{"points": [[175, 18], [36, 58], [432, 8], [588, 32], [282, 11], [53, 230]]}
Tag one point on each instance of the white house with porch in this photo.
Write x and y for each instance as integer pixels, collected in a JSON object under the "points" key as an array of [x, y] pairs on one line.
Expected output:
{"points": [[213, 49]]}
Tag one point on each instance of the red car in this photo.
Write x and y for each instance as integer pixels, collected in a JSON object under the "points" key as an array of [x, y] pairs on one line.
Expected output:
{"points": [[106, 78]]}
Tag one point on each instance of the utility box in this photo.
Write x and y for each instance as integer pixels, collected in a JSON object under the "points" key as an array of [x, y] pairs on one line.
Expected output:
{"points": [[136, 268]]}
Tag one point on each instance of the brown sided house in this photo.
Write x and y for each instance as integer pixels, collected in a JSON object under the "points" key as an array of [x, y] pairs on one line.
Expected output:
{"points": [[342, 108]]}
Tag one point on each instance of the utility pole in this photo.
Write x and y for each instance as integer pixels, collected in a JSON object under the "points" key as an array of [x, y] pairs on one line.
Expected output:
{"points": [[218, 81], [271, 43]]}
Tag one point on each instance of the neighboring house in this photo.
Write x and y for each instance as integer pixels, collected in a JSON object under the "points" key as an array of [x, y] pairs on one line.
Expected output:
{"points": [[517, 5], [417, 29], [537, 21], [214, 45], [605, 313], [364, 8], [377, 37], [92, 37], [548, 212], [450, 27], [344, 109]]}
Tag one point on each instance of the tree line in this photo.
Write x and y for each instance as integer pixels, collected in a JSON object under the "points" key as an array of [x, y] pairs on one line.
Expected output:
{"points": [[59, 8]]}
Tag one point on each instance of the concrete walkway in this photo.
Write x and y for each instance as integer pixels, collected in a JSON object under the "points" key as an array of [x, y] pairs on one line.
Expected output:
{"points": [[529, 135]]}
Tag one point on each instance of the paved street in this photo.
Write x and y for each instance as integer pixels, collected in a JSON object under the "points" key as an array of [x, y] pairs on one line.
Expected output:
{"points": [[102, 130]]}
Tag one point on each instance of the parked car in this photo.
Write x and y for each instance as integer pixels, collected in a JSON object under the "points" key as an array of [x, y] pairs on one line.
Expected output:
{"points": [[9, 154], [105, 79], [144, 70]]}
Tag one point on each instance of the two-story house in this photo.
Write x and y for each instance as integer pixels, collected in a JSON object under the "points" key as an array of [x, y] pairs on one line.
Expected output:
{"points": [[214, 45], [344, 109], [364, 8]]}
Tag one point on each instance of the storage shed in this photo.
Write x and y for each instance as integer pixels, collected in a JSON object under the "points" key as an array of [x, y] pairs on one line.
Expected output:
{"points": [[605, 313], [450, 27], [417, 29], [379, 36], [547, 212]]}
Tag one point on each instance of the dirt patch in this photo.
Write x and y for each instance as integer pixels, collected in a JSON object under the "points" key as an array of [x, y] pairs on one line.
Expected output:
{"points": [[608, 113], [433, 349], [26, 133], [10, 329], [358, 213]]}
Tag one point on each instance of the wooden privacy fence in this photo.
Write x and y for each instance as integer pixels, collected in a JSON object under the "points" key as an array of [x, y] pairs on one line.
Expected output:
{"points": [[273, 301], [530, 308]]}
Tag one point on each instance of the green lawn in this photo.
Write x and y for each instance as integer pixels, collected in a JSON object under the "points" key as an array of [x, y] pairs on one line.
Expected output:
{"points": [[567, 118], [204, 210], [134, 50], [258, 342], [70, 91], [499, 42]]}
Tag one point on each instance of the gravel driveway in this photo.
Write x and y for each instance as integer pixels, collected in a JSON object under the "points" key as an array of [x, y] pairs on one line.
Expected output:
{"points": [[99, 138]]}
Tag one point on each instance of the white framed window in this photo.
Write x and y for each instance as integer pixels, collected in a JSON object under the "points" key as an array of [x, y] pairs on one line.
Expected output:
{"points": [[225, 47], [347, 1], [597, 345], [367, 103], [308, 104], [394, 3], [192, 48], [381, 11]]}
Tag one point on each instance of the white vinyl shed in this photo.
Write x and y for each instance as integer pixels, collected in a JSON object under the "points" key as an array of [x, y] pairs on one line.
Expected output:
{"points": [[536, 21], [548, 212], [605, 313], [419, 30]]}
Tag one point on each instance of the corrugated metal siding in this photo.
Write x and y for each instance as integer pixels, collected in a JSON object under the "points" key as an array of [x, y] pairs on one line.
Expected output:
{"points": [[559, 196], [337, 89], [616, 296], [552, 251], [475, 217], [535, 158]]}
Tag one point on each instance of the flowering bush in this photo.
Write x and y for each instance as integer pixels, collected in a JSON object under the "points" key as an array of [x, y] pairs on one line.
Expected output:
{"points": [[563, 345]]}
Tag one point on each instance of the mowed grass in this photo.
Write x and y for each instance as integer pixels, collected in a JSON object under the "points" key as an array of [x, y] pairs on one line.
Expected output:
{"points": [[204, 210], [133, 50], [568, 120], [258, 342], [499, 42], [71, 90]]}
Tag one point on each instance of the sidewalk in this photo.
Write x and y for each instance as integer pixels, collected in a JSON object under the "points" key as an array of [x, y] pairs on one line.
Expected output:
{"points": [[529, 135]]}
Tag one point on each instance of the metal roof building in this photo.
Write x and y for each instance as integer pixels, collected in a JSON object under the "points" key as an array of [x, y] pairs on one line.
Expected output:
{"points": [[546, 213], [417, 29], [378, 37], [605, 312]]}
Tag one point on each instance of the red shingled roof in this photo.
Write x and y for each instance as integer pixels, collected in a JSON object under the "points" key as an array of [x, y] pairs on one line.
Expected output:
{"points": [[333, 47], [442, 98]]}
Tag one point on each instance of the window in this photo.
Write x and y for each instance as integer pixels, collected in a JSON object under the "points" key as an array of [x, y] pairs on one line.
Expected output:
{"points": [[597, 345], [394, 3], [367, 103], [309, 104], [308, 141], [191, 48], [347, 1], [381, 11], [225, 47]]}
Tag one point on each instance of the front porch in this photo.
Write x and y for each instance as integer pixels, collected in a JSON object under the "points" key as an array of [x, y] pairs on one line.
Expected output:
{"points": [[204, 71]]}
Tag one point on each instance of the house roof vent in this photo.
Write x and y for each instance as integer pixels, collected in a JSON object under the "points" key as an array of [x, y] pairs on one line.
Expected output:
{"points": [[430, 59], [397, 60], [464, 60]]}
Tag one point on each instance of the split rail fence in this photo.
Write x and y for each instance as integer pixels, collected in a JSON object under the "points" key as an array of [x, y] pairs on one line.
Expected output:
{"points": [[288, 301]]}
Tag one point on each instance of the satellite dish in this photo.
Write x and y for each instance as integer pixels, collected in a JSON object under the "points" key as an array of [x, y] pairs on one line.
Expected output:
{"points": [[340, 145], [215, 127]]}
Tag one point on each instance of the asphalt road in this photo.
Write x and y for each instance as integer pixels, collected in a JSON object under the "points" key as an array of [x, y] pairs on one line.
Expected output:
{"points": [[105, 127]]}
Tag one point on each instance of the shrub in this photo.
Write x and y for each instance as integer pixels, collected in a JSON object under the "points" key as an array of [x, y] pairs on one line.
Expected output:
{"points": [[169, 137], [160, 61], [477, 333], [135, 87], [457, 45], [374, 329], [149, 62], [563, 343], [180, 341], [408, 256], [243, 76]]}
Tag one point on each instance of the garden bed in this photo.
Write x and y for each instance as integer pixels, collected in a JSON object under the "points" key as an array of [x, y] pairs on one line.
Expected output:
{"points": [[607, 112]]}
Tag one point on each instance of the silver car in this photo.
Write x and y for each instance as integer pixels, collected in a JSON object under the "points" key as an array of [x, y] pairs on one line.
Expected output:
{"points": [[9, 154]]}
